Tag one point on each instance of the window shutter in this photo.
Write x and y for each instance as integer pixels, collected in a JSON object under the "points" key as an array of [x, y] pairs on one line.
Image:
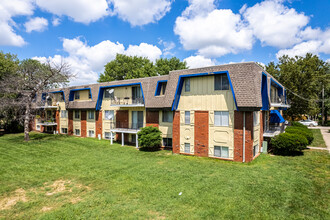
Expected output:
{"points": [[182, 117], [192, 117], [211, 118]]}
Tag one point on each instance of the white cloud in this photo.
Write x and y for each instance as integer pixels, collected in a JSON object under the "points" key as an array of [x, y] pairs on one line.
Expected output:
{"points": [[140, 12], [212, 32], [275, 24], [318, 42], [85, 11], [56, 22], [36, 24], [198, 61], [88, 61], [8, 10]]}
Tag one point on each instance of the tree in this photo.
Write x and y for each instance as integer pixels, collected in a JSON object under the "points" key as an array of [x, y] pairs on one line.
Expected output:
{"points": [[303, 77], [131, 67], [127, 67], [165, 65], [32, 78]]}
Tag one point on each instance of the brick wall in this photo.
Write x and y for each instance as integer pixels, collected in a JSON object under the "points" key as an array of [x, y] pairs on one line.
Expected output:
{"points": [[57, 120], [238, 136], [201, 133], [98, 123], [70, 123], [83, 123], [152, 118], [176, 133]]}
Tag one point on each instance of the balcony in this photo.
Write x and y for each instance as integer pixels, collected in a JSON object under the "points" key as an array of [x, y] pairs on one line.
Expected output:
{"points": [[47, 104], [46, 122], [274, 130], [125, 127], [127, 102], [279, 101]]}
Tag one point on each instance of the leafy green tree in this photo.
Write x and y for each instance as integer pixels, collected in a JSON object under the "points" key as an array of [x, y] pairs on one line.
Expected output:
{"points": [[165, 65], [304, 78], [131, 67], [8, 64], [127, 67], [149, 138]]}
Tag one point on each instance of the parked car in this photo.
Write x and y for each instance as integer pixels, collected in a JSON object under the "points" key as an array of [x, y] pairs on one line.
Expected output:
{"points": [[309, 123]]}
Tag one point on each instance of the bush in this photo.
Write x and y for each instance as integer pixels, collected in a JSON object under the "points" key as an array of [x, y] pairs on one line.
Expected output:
{"points": [[302, 131], [288, 143], [298, 124], [150, 138]]}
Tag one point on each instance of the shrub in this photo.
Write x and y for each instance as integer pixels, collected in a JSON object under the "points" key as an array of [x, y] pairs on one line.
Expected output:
{"points": [[297, 124], [302, 131], [288, 143], [149, 138]]}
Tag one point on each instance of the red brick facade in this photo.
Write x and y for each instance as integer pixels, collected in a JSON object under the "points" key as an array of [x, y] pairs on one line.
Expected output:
{"points": [[98, 123], [238, 136], [176, 133], [152, 118], [57, 120], [70, 123], [83, 123], [201, 133]]}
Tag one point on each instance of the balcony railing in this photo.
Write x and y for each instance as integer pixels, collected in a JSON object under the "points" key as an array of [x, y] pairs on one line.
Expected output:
{"points": [[46, 122], [127, 101], [126, 125], [274, 130], [280, 101]]}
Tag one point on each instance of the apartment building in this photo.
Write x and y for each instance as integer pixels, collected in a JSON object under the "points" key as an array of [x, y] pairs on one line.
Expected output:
{"points": [[224, 111]]}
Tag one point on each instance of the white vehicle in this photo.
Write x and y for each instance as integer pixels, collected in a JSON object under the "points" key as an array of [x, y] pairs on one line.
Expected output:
{"points": [[309, 123]]}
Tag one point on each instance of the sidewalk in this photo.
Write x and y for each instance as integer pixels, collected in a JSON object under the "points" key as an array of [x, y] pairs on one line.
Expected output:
{"points": [[326, 137]]}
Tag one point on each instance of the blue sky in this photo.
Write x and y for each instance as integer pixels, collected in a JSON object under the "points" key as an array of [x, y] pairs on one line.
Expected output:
{"points": [[88, 34]]}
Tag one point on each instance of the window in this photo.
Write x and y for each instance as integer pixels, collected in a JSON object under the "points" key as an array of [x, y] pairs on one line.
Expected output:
{"points": [[109, 115], [91, 115], [91, 133], [38, 127], [108, 93], [76, 95], [64, 113], [221, 82], [221, 118], [255, 149], [167, 116], [167, 142], [222, 152], [187, 85], [187, 148], [77, 132], [89, 94], [187, 117], [255, 118], [77, 114], [64, 130], [161, 88], [107, 135]]}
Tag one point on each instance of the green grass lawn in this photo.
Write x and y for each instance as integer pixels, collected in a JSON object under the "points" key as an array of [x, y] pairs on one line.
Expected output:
{"points": [[65, 177], [318, 139]]}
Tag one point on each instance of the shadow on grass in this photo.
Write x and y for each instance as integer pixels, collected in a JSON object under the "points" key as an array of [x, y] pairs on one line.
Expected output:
{"points": [[289, 154], [147, 149], [33, 137]]}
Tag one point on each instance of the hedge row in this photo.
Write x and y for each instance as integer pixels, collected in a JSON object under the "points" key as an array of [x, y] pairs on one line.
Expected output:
{"points": [[296, 138]]}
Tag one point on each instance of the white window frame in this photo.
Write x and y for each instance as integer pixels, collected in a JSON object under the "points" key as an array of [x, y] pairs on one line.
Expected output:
{"points": [[75, 132], [221, 114], [221, 154], [187, 117], [89, 114], [109, 111], [64, 132], [89, 135], [186, 145]]}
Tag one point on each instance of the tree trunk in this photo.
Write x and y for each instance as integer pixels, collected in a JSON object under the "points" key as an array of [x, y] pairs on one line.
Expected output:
{"points": [[27, 122]]}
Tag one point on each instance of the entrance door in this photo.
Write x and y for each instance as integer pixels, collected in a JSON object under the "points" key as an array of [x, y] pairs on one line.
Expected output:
{"points": [[136, 94], [137, 119]]}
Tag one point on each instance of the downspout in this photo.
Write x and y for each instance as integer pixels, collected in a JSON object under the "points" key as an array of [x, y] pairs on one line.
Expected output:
{"points": [[243, 137]]}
